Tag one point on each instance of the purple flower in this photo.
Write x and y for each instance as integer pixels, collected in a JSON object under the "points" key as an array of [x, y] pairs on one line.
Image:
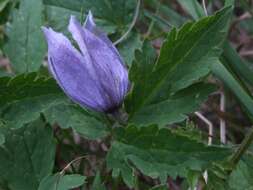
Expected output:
{"points": [[95, 76]]}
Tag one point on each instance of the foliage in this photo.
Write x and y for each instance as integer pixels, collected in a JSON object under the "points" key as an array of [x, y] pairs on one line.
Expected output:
{"points": [[26, 48], [158, 153], [27, 155], [65, 182], [178, 58]]}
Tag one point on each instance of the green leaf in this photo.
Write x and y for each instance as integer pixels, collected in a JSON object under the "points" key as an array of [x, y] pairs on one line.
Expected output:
{"points": [[139, 74], [119, 13], [229, 3], [26, 47], [193, 179], [97, 183], [158, 153], [6, 7], [237, 64], [217, 179], [58, 182], [3, 4], [69, 115], [175, 108], [193, 8], [220, 177], [129, 46], [186, 57], [160, 187], [26, 156], [235, 86], [26, 96], [241, 177], [58, 18], [2, 139], [167, 11]]}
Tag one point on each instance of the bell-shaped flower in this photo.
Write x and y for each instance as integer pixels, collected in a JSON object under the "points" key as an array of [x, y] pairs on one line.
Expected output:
{"points": [[92, 75]]}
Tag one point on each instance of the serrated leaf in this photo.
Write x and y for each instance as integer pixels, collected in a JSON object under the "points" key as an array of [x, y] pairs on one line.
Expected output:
{"points": [[186, 57], [176, 108], [232, 178], [24, 97], [58, 182], [23, 86], [129, 46], [241, 177], [26, 46], [69, 115], [139, 74], [158, 153], [26, 156]]}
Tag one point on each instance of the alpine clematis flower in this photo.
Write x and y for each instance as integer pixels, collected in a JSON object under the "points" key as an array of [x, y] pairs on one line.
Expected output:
{"points": [[95, 76]]}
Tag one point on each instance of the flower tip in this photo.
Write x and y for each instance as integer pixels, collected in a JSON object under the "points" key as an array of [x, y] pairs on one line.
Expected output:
{"points": [[72, 21], [48, 32], [72, 17], [90, 15], [44, 29], [89, 22]]}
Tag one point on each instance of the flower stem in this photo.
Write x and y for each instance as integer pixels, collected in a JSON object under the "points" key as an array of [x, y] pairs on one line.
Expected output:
{"points": [[242, 148], [120, 116]]}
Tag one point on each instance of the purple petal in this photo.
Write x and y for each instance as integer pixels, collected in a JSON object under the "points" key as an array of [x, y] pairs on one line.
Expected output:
{"points": [[107, 64], [71, 71], [90, 25]]}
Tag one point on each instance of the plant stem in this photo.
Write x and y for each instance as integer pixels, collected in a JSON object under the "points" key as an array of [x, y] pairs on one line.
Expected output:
{"points": [[123, 37], [136, 186], [242, 149], [120, 116]]}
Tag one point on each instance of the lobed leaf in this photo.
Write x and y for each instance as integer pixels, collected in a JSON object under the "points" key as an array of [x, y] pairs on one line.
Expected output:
{"points": [[158, 153], [26, 47], [26, 156], [185, 57], [25, 97]]}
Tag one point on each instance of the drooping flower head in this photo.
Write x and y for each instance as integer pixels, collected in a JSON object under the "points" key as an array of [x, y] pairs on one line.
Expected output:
{"points": [[94, 75]]}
